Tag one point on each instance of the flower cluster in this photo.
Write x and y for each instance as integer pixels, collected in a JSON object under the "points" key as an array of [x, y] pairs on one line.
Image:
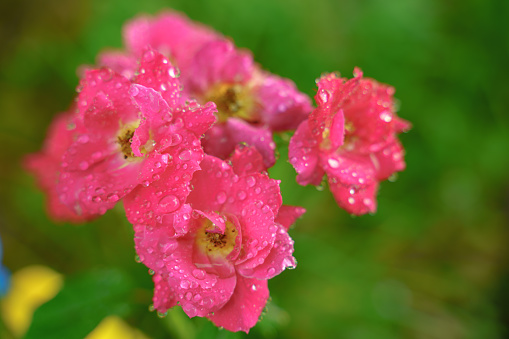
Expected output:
{"points": [[179, 126]]}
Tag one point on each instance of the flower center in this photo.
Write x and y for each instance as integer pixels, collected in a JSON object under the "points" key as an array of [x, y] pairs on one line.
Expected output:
{"points": [[216, 244], [125, 138], [232, 100]]}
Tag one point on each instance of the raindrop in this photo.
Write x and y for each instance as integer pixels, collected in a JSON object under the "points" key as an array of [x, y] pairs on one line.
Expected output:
{"points": [[185, 155], [83, 165], [251, 181], [169, 203], [134, 91], [184, 284], [199, 274], [221, 197], [175, 140], [162, 314], [83, 139], [241, 195], [333, 163]]}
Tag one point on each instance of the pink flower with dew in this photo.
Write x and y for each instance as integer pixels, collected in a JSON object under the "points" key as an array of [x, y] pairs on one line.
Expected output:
{"points": [[251, 103], [131, 132], [352, 137], [215, 254], [45, 166], [171, 33]]}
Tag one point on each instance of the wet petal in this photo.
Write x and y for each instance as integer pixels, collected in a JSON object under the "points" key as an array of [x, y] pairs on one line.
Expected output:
{"points": [[245, 306], [303, 154]]}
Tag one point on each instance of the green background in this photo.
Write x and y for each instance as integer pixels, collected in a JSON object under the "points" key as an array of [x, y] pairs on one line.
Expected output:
{"points": [[431, 263]]}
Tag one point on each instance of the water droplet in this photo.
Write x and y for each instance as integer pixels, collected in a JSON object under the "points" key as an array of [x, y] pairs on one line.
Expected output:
{"points": [[112, 197], [250, 181], [324, 95], [386, 116], [134, 91], [241, 195], [351, 201], [83, 139], [162, 314], [185, 155], [184, 284], [333, 163], [83, 165], [199, 274], [169, 203], [271, 271], [175, 139], [221, 197]]}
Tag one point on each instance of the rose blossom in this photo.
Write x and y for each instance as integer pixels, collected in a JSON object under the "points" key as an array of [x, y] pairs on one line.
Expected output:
{"points": [[352, 137], [215, 254]]}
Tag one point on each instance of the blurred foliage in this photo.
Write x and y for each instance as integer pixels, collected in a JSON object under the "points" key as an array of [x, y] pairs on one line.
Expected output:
{"points": [[431, 263]]}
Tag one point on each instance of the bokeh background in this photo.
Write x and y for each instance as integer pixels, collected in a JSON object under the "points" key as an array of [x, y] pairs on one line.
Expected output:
{"points": [[431, 263]]}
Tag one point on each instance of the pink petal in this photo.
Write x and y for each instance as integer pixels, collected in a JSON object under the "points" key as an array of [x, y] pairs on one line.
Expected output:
{"points": [[389, 160], [196, 118], [158, 73], [98, 188], [168, 179], [123, 64], [252, 189], [352, 181], [288, 215], [104, 101], [245, 306], [171, 33], [258, 228], [198, 291], [303, 154], [279, 258], [283, 106], [157, 117], [246, 160], [219, 62], [46, 171], [354, 200], [164, 298], [221, 140], [332, 93], [212, 185], [153, 245]]}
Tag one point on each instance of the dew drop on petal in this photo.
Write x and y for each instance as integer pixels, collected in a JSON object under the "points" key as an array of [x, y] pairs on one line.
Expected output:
{"points": [[333, 163], [185, 155], [175, 139], [251, 181], [83, 165], [241, 195], [184, 284], [221, 197], [199, 274], [134, 91], [169, 203]]}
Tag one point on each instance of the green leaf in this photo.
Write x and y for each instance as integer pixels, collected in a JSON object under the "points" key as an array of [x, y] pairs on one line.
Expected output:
{"points": [[81, 305]]}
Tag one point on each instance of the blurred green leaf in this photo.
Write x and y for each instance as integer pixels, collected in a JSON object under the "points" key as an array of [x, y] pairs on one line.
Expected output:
{"points": [[81, 305]]}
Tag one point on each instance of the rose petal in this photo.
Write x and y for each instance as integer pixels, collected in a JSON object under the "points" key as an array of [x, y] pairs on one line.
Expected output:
{"points": [[245, 306]]}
